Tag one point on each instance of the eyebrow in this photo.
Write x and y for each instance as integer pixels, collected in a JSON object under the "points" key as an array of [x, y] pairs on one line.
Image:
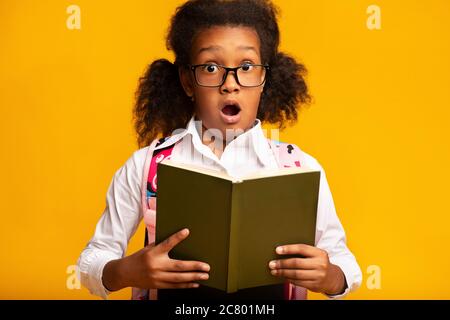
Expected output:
{"points": [[219, 48]]}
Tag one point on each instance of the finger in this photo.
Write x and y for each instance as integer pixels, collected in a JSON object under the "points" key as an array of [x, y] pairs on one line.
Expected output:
{"points": [[169, 243], [292, 263], [179, 277], [299, 275], [174, 285], [184, 265], [298, 248]]}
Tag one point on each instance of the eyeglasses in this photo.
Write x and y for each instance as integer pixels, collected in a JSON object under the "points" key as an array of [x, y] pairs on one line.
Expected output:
{"points": [[214, 75]]}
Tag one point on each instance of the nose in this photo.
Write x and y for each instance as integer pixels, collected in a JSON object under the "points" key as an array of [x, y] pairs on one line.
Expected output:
{"points": [[230, 83]]}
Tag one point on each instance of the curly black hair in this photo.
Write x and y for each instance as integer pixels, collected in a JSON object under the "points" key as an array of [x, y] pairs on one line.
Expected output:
{"points": [[161, 103]]}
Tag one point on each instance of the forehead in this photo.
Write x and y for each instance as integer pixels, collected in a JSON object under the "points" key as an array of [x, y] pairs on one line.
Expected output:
{"points": [[226, 41]]}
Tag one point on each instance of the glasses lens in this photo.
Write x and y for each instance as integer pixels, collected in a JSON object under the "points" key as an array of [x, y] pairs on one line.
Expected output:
{"points": [[251, 75], [209, 75]]}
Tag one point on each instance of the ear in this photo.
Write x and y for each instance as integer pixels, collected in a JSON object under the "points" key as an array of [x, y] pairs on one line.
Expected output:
{"points": [[186, 81]]}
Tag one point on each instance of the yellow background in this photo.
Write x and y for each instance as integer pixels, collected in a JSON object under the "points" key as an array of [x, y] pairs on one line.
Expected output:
{"points": [[379, 125]]}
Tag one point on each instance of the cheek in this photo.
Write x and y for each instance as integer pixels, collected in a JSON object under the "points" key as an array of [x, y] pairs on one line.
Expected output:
{"points": [[254, 100], [206, 99], [206, 102]]}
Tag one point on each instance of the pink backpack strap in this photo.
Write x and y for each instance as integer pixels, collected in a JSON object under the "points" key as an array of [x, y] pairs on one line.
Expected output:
{"points": [[149, 185], [148, 159], [289, 155], [148, 202], [157, 156]]}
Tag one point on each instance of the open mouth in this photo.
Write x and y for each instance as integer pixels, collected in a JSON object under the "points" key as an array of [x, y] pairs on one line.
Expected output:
{"points": [[230, 112], [231, 109]]}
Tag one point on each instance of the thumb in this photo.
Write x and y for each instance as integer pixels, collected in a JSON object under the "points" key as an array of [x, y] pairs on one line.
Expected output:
{"points": [[169, 243]]}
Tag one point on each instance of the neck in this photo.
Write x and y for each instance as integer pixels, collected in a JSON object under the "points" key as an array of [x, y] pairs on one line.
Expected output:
{"points": [[217, 147]]}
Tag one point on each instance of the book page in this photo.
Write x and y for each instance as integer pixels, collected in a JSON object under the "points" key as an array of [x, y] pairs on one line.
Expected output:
{"points": [[223, 175], [277, 172], [201, 170]]}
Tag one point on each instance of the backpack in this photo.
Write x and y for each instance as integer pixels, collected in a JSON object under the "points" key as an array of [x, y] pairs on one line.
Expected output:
{"points": [[287, 155]]}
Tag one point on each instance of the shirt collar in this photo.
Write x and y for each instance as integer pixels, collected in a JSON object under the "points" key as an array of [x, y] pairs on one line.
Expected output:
{"points": [[260, 144], [175, 137], [257, 141]]}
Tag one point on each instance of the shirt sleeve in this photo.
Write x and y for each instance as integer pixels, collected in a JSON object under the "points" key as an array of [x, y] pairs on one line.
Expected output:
{"points": [[118, 223], [331, 237]]}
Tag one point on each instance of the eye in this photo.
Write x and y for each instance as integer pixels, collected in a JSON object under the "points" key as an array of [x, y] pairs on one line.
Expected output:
{"points": [[247, 67], [210, 68]]}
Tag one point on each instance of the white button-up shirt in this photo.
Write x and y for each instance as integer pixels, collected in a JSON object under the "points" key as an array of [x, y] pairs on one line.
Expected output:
{"points": [[247, 153]]}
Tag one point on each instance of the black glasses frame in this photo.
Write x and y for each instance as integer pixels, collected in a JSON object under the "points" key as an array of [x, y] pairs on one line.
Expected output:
{"points": [[227, 70]]}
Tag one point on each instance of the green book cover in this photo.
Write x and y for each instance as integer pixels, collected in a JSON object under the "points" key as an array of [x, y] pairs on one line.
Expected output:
{"points": [[236, 224]]}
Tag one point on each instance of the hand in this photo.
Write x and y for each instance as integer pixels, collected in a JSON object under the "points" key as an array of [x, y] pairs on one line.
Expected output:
{"points": [[314, 272], [151, 267]]}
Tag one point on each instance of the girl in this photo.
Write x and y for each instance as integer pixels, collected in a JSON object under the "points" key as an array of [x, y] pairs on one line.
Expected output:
{"points": [[228, 77]]}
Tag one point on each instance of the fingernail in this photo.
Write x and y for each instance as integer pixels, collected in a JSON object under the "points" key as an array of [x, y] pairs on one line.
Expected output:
{"points": [[185, 231], [204, 276], [272, 264], [279, 249], [196, 285], [205, 268], [273, 272]]}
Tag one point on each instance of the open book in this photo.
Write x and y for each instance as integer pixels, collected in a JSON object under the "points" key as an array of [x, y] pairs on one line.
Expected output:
{"points": [[236, 224]]}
